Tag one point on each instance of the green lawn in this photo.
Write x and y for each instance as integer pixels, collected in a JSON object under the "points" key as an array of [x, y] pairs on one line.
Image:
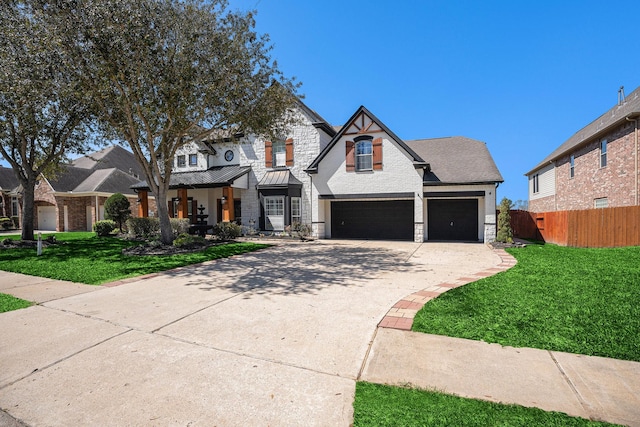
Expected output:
{"points": [[85, 258], [382, 405], [575, 300], [9, 303]]}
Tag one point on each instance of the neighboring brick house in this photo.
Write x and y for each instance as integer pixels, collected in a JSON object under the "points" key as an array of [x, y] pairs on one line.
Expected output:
{"points": [[597, 167], [9, 194], [361, 181], [73, 199]]}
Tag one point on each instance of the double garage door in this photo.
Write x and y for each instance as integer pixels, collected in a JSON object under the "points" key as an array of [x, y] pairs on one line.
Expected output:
{"points": [[383, 219], [448, 219]]}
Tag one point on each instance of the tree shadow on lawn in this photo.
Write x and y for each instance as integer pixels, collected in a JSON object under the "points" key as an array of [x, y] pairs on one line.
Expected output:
{"points": [[291, 270]]}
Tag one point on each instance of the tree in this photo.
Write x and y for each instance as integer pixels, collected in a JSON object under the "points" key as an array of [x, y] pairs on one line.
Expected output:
{"points": [[505, 234], [43, 116], [117, 208], [166, 72]]}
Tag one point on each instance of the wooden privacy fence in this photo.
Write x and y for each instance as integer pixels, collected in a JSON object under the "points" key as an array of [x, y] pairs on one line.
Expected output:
{"points": [[592, 228]]}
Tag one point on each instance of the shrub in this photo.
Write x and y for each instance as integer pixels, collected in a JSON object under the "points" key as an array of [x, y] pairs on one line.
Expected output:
{"points": [[188, 241], [227, 230], [505, 234], [303, 230], [179, 226], [117, 208], [16, 221], [6, 223], [104, 228], [143, 227]]}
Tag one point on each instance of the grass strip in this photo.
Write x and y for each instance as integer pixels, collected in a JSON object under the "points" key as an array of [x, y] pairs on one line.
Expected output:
{"points": [[574, 300], [383, 405], [85, 258], [10, 303]]}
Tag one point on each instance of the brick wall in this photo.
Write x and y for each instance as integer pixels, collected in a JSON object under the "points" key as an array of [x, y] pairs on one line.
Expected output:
{"points": [[545, 204], [615, 181]]}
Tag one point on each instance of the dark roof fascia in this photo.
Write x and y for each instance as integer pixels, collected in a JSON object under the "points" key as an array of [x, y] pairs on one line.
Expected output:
{"points": [[440, 184], [406, 195], [586, 141], [142, 185], [317, 120], [418, 161], [325, 127]]}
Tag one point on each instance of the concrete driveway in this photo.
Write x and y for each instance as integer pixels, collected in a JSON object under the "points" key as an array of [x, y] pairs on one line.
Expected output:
{"points": [[275, 337]]}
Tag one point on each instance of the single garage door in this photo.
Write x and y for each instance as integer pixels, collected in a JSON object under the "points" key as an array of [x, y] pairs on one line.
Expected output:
{"points": [[453, 219], [387, 219], [47, 218]]}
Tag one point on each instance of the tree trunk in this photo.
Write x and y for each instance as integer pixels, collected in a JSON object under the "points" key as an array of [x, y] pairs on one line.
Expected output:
{"points": [[28, 210], [166, 234]]}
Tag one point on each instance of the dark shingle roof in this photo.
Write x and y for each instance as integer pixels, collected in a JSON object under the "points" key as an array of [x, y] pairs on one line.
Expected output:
{"points": [[215, 177], [110, 157], [456, 160], [107, 181], [68, 178], [617, 114], [8, 179]]}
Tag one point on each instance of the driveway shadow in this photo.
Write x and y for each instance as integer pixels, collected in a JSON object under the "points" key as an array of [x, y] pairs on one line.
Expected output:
{"points": [[296, 269]]}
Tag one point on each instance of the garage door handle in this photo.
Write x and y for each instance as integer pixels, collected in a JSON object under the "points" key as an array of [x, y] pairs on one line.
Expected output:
{"points": [[451, 224]]}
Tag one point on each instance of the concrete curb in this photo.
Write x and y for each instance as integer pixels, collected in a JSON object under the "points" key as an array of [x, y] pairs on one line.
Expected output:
{"points": [[401, 315]]}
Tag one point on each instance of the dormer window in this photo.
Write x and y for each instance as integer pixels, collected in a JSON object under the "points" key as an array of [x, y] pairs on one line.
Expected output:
{"points": [[364, 154], [193, 159], [182, 161]]}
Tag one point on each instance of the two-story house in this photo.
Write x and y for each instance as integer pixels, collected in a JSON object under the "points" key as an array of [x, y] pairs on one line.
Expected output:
{"points": [[596, 168], [360, 182]]}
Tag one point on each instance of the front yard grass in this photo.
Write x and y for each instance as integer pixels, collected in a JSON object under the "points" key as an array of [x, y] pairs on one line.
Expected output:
{"points": [[382, 405], [84, 258], [575, 300], [10, 303]]}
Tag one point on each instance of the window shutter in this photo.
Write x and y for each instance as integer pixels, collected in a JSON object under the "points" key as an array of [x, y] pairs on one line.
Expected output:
{"points": [[268, 154], [350, 156], [377, 154], [289, 151]]}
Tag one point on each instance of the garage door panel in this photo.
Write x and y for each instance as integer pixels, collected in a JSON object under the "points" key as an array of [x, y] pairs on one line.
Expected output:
{"points": [[392, 219], [453, 219], [46, 218]]}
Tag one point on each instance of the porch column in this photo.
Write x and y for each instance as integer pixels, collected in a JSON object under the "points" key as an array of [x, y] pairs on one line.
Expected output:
{"points": [[183, 209], [143, 204], [227, 207]]}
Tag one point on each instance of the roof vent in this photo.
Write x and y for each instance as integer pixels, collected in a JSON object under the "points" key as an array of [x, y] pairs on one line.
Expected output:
{"points": [[621, 95]]}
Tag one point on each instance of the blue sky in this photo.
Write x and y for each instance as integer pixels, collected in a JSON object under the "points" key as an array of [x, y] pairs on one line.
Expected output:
{"points": [[520, 76]]}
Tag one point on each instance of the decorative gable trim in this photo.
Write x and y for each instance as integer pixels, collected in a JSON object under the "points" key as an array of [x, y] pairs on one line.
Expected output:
{"points": [[365, 126]]}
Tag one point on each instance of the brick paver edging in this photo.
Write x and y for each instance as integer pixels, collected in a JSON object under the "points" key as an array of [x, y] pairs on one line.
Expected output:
{"points": [[402, 313]]}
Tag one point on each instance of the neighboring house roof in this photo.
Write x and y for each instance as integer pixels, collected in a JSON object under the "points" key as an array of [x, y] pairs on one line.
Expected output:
{"points": [[111, 157], [8, 179], [279, 179], [68, 178], [597, 128], [456, 160], [220, 176], [417, 160], [107, 181]]}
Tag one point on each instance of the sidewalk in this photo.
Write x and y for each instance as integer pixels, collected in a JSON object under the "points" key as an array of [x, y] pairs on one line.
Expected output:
{"points": [[590, 387]]}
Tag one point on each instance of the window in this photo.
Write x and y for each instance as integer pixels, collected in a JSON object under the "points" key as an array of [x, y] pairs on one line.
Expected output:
{"points": [[14, 206], [600, 203], [176, 206], [572, 164], [279, 151], [364, 155], [274, 213], [296, 210], [193, 159], [536, 185], [181, 161], [603, 153]]}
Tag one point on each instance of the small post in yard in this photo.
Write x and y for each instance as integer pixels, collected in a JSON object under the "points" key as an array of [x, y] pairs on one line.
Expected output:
{"points": [[39, 244]]}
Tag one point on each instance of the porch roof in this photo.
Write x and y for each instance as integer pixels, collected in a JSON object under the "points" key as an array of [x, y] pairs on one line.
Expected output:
{"points": [[220, 176], [279, 179]]}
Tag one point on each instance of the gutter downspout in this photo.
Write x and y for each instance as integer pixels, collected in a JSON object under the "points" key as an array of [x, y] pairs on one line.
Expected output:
{"points": [[636, 154]]}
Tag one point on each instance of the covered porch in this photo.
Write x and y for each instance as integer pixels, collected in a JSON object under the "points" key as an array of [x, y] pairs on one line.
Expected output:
{"points": [[204, 197]]}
